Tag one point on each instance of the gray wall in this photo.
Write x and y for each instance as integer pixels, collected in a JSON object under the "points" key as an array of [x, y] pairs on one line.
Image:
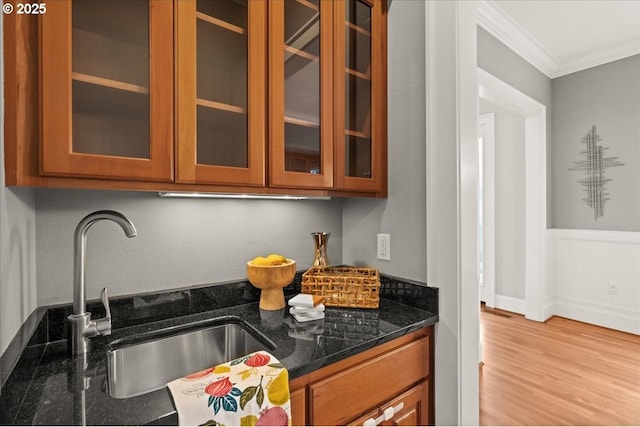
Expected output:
{"points": [[509, 200], [500, 61], [607, 96], [402, 215], [17, 249], [17, 260], [180, 242]]}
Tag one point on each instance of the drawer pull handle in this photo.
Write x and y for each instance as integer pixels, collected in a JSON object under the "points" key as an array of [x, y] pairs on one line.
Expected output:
{"points": [[386, 415]]}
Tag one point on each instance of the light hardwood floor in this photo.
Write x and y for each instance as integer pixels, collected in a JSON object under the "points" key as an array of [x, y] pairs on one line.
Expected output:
{"points": [[560, 372]]}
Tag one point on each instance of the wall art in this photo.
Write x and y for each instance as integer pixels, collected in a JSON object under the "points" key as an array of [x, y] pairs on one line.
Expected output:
{"points": [[594, 167]]}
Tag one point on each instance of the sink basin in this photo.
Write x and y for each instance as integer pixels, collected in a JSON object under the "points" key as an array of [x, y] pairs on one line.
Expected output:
{"points": [[146, 362]]}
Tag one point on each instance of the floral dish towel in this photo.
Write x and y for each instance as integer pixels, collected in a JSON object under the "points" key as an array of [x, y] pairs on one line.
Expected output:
{"points": [[252, 390]]}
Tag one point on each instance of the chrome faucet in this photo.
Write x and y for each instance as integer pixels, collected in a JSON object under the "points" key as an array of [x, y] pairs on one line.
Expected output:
{"points": [[81, 326]]}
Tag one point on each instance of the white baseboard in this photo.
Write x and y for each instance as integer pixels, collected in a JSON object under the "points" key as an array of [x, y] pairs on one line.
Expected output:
{"points": [[608, 317], [579, 267], [514, 305], [600, 315], [548, 310]]}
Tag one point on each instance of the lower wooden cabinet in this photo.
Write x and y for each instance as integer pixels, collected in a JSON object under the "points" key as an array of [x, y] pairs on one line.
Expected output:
{"points": [[363, 386]]}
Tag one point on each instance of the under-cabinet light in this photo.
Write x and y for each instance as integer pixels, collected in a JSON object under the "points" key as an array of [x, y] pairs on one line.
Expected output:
{"points": [[240, 196]]}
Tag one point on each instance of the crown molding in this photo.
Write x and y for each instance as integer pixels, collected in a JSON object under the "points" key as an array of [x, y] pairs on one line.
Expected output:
{"points": [[492, 18], [615, 53], [500, 25]]}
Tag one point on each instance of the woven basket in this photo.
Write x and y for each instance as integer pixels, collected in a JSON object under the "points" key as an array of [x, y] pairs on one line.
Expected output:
{"points": [[343, 286]]}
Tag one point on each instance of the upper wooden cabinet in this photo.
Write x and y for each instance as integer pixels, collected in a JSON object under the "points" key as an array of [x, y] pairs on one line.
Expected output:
{"points": [[279, 96], [107, 89], [360, 95], [327, 103], [300, 101], [221, 91]]}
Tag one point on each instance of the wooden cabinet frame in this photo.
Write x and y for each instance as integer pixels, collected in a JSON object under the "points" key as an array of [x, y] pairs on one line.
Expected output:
{"points": [[27, 127], [378, 181], [56, 151], [279, 176], [188, 169]]}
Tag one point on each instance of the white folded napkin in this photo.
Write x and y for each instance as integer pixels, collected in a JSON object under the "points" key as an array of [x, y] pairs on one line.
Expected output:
{"points": [[307, 311], [305, 300], [305, 308]]}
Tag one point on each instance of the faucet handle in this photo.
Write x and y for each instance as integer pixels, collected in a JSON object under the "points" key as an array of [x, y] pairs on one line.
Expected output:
{"points": [[104, 325]]}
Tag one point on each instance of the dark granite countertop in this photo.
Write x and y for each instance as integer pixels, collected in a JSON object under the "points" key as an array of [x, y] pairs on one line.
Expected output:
{"points": [[49, 387]]}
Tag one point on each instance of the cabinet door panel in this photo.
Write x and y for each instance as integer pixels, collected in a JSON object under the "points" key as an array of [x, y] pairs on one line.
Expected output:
{"points": [[106, 89], [360, 95], [335, 400], [415, 411], [221, 83], [299, 407], [301, 148]]}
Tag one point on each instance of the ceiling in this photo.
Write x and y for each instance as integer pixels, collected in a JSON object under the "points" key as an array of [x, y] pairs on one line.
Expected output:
{"points": [[564, 36]]}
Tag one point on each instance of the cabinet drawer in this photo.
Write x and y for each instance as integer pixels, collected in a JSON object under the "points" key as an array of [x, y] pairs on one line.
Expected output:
{"points": [[336, 400]]}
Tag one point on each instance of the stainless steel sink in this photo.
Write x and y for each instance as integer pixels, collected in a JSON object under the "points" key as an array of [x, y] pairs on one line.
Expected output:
{"points": [[146, 362]]}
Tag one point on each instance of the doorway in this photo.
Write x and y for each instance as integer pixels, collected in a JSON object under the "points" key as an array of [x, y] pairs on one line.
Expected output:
{"points": [[500, 93]]}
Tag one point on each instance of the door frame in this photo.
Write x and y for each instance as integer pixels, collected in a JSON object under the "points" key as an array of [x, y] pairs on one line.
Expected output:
{"points": [[486, 129], [497, 91]]}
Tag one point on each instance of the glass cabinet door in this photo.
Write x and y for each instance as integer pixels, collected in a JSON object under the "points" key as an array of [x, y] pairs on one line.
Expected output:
{"points": [[106, 78], [300, 68], [360, 95], [221, 83]]}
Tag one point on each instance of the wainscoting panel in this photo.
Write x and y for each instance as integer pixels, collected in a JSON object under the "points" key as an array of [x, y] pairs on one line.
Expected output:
{"points": [[596, 277]]}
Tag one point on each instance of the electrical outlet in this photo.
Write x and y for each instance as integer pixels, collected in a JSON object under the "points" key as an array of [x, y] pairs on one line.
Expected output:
{"points": [[384, 247], [612, 289]]}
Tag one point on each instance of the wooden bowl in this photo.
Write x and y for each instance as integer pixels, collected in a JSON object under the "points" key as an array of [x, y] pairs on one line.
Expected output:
{"points": [[270, 279]]}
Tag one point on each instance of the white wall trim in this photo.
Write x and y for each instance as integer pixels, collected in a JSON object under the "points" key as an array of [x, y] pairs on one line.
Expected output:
{"points": [[632, 237], [492, 18], [452, 115], [535, 153], [497, 91], [487, 131], [500, 25], [549, 309], [584, 264], [615, 53], [467, 208], [598, 314], [595, 314], [514, 305]]}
